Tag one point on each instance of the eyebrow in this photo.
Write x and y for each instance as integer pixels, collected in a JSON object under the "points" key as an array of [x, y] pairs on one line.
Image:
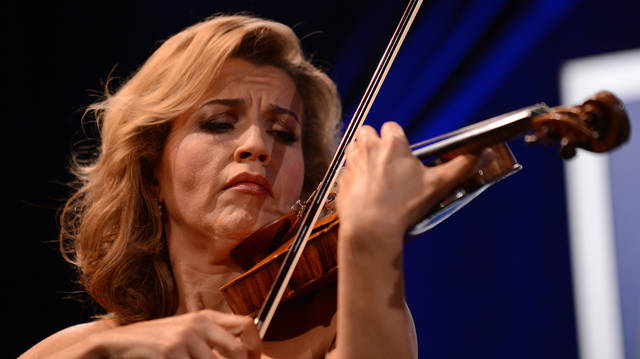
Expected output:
{"points": [[281, 110], [231, 102], [236, 102]]}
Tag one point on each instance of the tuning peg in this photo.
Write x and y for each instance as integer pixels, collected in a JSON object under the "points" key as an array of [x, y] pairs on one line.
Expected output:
{"points": [[567, 147], [540, 135]]}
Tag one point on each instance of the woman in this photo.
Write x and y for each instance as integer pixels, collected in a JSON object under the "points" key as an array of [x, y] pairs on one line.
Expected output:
{"points": [[220, 132]]}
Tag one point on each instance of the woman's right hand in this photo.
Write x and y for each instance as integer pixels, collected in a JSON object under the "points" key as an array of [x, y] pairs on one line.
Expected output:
{"points": [[202, 334]]}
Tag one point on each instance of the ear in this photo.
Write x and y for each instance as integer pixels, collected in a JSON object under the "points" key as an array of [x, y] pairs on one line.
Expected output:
{"points": [[150, 174], [155, 189]]}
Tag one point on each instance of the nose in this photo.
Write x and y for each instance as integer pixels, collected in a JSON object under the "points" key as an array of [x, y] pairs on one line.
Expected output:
{"points": [[254, 146]]}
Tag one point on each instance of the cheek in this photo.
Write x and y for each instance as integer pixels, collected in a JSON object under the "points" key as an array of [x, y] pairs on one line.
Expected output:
{"points": [[192, 170], [190, 164], [292, 182]]}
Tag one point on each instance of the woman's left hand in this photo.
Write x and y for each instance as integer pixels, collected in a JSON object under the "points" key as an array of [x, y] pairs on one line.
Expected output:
{"points": [[385, 188], [382, 191]]}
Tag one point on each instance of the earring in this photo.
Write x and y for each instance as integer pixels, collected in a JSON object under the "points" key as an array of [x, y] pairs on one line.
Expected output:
{"points": [[160, 208]]}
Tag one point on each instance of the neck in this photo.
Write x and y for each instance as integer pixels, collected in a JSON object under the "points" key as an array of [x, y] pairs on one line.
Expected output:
{"points": [[199, 270], [198, 285]]}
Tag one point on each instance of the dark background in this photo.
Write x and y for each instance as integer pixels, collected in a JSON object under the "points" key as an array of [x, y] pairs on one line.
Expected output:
{"points": [[493, 281]]}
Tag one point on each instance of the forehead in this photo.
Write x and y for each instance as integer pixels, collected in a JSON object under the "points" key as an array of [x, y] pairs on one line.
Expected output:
{"points": [[240, 78]]}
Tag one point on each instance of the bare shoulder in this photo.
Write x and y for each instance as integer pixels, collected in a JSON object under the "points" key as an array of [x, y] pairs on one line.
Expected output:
{"points": [[67, 337]]}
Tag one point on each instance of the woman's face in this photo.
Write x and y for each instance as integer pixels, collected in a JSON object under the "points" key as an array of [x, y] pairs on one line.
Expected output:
{"points": [[234, 162]]}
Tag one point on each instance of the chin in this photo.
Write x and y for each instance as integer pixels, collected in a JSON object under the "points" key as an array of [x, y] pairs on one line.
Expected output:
{"points": [[236, 216], [239, 223]]}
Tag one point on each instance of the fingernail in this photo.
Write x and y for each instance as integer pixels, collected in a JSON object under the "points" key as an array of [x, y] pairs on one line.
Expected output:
{"points": [[487, 156]]}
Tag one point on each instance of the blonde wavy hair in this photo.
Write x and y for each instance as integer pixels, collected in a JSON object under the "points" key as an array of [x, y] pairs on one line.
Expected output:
{"points": [[110, 228]]}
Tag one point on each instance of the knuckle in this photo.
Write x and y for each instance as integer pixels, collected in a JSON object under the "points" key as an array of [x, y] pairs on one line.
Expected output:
{"points": [[246, 322], [186, 332], [366, 134], [172, 347], [367, 128], [206, 312], [205, 315], [364, 142], [397, 144], [195, 326], [390, 127], [433, 181], [393, 129], [197, 318], [238, 350]]}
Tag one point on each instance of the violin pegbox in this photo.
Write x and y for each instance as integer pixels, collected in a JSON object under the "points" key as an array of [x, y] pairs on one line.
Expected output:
{"points": [[598, 125], [564, 126]]}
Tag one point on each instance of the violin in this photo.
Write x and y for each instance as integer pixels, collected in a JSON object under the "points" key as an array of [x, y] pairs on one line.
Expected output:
{"points": [[600, 124], [297, 254]]}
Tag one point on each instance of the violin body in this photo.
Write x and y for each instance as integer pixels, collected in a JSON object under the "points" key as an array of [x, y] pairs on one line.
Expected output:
{"points": [[317, 267]]}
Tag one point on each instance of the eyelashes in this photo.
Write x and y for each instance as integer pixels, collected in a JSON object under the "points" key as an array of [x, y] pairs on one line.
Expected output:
{"points": [[226, 123], [220, 123], [286, 137], [216, 127]]}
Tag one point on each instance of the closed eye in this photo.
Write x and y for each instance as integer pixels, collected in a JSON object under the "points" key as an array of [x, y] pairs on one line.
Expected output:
{"points": [[220, 123], [283, 136], [284, 130]]}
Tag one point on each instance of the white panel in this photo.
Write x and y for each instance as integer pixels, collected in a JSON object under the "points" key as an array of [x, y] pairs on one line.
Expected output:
{"points": [[590, 209]]}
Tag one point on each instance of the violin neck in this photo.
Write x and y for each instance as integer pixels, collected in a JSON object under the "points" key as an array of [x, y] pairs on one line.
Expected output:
{"points": [[479, 135]]}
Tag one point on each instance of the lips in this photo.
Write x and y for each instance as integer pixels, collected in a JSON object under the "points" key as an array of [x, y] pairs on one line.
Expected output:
{"points": [[249, 183]]}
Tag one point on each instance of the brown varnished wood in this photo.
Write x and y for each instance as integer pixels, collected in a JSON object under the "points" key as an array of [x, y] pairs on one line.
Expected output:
{"points": [[317, 266], [600, 124], [264, 241]]}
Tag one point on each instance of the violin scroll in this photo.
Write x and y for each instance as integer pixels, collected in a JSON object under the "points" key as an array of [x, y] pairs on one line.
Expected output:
{"points": [[600, 124]]}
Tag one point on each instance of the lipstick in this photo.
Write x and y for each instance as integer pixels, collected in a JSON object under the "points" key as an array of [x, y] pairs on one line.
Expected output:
{"points": [[250, 183]]}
